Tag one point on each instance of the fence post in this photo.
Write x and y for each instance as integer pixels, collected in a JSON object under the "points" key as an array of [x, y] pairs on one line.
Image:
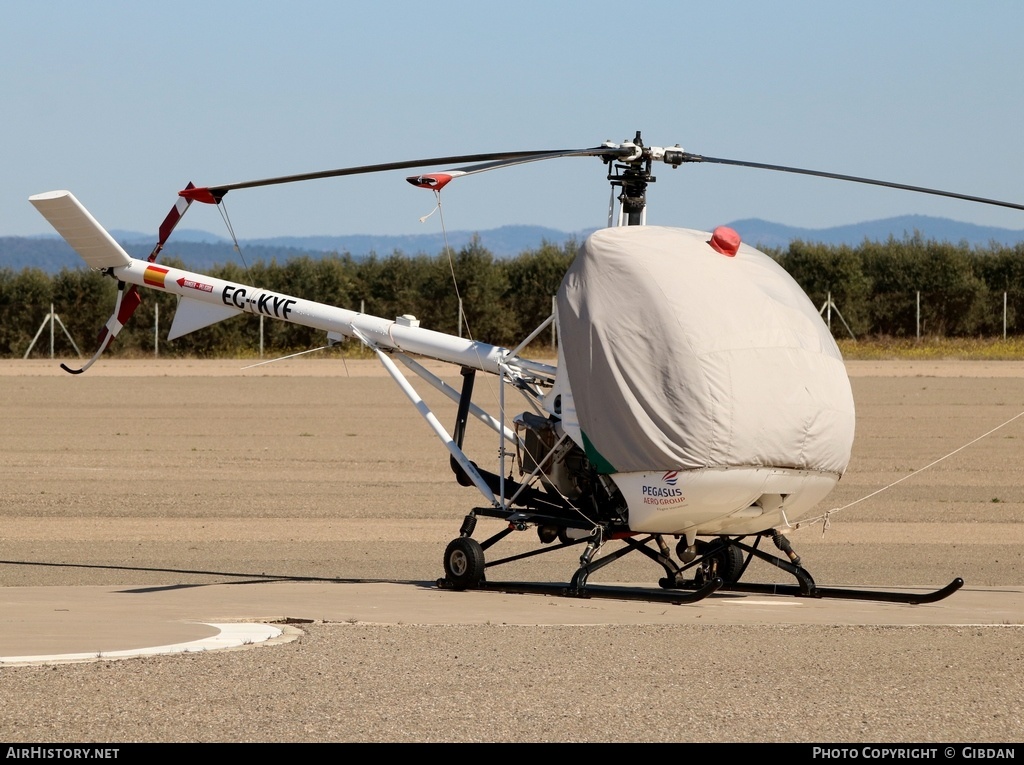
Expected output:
{"points": [[919, 315], [53, 318]]}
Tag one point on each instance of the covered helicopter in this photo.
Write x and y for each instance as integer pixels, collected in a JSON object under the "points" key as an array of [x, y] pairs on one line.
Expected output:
{"points": [[699, 404]]}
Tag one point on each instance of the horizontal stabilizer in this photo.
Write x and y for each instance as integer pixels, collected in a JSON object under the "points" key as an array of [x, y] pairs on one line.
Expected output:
{"points": [[191, 315], [79, 229]]}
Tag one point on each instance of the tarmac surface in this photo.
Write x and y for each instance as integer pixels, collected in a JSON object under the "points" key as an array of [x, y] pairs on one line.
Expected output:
{"points": [[191, 551], [50, 625]]}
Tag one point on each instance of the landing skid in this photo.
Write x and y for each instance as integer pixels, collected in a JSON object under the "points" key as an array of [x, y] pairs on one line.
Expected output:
{"points": [[611, 592], [910, 598], [805, 587], [718, 567]]}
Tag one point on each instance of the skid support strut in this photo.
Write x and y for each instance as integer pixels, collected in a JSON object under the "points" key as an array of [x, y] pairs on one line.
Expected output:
{"points": [[675, 587], [805, 586]]}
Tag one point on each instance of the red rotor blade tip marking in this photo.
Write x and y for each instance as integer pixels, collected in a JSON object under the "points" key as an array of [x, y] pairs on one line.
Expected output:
{"points": [[436, 181], [199, 194]]}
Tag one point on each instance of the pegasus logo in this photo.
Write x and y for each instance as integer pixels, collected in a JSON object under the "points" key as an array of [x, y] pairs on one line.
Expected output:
{"points": [[666, 492]]}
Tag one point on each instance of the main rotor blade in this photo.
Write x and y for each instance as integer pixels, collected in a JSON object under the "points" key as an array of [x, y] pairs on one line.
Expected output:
{"points": [[437, 181], [596, 151], [688, 157], [213, 194]]}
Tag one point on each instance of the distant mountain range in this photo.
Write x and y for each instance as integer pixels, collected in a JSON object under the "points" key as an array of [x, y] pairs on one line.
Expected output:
{"points": [[201, 250], [763, 233]]}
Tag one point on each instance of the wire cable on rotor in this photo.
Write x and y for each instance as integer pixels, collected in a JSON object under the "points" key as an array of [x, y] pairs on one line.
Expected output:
{"points": [[451, 261], [223, 210], [437, 207], [824, 518], [290, 356], [505, 372], [469, 332]]}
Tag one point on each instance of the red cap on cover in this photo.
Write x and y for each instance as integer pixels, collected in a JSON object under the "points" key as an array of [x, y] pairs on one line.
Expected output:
{"points": [[726, 241]]}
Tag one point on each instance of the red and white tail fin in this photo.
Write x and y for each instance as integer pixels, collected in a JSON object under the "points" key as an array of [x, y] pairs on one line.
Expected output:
{"points": [[99, 250]]}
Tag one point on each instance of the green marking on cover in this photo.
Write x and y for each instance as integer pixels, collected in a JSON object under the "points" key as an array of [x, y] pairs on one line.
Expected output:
{"points": [[600, 464]]}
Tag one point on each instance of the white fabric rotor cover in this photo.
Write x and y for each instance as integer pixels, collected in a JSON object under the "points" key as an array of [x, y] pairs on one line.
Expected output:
{"points": [[680, 357]]}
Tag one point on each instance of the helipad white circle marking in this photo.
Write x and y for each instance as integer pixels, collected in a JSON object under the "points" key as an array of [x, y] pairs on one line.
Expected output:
{"points": [[230, 635]]}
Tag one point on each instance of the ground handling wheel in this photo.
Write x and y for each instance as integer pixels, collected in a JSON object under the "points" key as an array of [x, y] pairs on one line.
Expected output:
{"points": [[464, 563], [725, 563]]}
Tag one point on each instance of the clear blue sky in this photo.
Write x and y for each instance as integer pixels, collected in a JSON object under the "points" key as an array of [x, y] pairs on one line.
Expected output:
{"points": [[125, 102]]}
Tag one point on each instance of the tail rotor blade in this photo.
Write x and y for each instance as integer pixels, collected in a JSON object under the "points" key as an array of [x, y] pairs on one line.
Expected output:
{"points": [[127, 301]]}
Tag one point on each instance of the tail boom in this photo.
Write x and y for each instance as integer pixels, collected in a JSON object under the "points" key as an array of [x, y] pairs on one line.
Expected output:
{"points": [[223, 299], [207, 299]]}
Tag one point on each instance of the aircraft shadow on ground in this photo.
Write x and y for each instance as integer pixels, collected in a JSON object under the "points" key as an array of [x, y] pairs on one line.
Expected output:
{"points": [[242, 577]]}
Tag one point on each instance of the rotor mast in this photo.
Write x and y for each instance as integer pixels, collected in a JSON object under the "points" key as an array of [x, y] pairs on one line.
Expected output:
{"points": [[632, 173]]}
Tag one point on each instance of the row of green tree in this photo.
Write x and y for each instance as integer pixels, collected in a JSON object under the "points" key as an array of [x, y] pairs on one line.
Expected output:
{"points": [[502, 301], [895, 288], [904, 286]]}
